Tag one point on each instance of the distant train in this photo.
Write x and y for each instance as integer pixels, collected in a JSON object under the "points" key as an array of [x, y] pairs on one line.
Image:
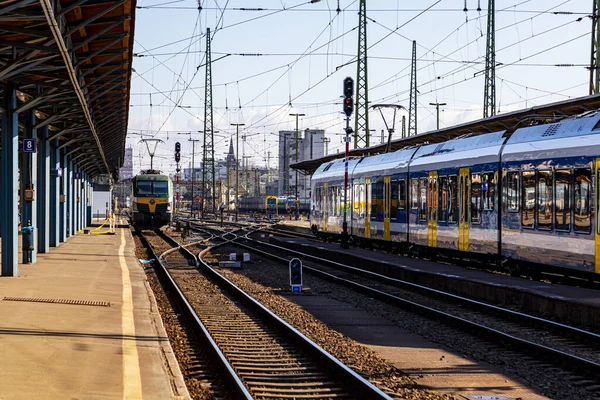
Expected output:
{"points": [[525, 199], [152, 198], [273, 204]]}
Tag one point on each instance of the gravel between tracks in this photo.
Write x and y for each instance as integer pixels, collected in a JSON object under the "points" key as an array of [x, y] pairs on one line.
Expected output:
{"points": [[181, 340], [264, 279], [262, 285]]}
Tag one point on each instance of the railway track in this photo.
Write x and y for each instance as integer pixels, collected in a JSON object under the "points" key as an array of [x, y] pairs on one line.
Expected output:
{"points": [[575, 351], [258, 354]]}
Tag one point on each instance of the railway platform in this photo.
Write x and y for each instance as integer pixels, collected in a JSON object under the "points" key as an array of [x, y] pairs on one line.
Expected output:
{"points": [[568, 304], [82, 323]]}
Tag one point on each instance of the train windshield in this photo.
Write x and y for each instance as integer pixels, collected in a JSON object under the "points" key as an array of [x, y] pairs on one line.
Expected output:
{"points": [[272, 202], [151, 188]]}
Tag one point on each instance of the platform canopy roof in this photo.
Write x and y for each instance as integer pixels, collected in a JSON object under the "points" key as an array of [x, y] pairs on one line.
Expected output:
{"points": [[508, 121], [70, 63]]}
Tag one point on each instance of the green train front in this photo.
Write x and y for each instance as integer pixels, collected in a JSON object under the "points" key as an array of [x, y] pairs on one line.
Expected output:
{"points": [[152, 198]]}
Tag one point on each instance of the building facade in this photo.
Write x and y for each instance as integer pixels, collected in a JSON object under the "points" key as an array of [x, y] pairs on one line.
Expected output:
{"points": [[126, 172], [310, 146]]}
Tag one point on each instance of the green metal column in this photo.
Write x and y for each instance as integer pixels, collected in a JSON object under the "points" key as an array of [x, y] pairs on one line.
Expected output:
{"points": [[489, 92], [595, 52], [208, 164], [412, 107], [361, 118]]}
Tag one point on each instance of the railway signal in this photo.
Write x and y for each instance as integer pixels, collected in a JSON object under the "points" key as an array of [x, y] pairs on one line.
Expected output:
{"points": [[177, 152], [348, 106], [348, 93], [296, 275]]}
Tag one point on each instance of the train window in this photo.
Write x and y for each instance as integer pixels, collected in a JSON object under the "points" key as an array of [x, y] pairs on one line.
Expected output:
{"points": [[394, 199], [443, 201], [318, 199], [423, 200], [544, 189], [452, 199], [356, 199], [362, 197], [582, 203], [377, 199], [476, 198], [402, 194], [414, 194], [488, 190], [528, 199], [562, 199], [512, 191]]}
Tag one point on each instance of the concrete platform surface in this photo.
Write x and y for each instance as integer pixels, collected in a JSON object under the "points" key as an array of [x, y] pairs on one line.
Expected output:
{"points": [[111, 345], [431, 365]]}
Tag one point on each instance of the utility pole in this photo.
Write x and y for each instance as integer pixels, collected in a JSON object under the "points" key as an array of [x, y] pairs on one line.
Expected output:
{"points": [[412, 107], [237, 166], [193, 170], [361, 119], [297, 199], [403, 126], [595, 53], [489, 90], [437, 109], [326, 141], [208, 163]]}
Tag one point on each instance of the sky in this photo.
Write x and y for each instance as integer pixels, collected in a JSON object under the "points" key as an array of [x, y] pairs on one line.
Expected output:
{"points": [[272, 58]]}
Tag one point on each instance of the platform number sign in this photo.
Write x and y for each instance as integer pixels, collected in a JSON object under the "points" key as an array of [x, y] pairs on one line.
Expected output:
{"points": [[296, 275], [29, 145]]}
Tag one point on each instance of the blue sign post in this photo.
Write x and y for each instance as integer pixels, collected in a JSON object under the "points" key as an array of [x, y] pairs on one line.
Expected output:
{"points": [[29, 145], [296, 275]]}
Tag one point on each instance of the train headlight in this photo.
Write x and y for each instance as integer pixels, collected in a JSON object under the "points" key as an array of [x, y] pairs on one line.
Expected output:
{"points": [[169, 207], [134, 206]]}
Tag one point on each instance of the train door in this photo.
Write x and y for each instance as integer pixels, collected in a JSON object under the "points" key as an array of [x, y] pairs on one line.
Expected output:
{"points": [[387, 200], [325, 198], [597, 218], [432, 199], [367, 206], [464, 200]]}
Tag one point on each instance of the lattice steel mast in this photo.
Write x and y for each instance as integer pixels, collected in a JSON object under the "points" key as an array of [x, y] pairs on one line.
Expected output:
{"points": [[361, 119], [412, 107], [208, 164], [489, 91], [595, 53]]}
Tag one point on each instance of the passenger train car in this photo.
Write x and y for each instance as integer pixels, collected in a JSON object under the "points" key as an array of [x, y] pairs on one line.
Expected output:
{"points": [[279, 205], [521, 200], [152, 198]]}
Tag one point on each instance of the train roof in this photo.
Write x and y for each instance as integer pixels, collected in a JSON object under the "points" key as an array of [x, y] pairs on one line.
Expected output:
{"points": [[334, 169], [459, 152], [587, 124], [384, 162]]}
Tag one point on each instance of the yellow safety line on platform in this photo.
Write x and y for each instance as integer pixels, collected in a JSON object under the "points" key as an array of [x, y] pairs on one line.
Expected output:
{"points": [[132, 380]]}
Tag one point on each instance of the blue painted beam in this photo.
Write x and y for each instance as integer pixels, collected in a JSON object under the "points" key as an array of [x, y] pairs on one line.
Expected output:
{"points": [[9, 189], [71, 215], [29, 181], [43, 191], [55, 208], [63, 197], [90, 199]]}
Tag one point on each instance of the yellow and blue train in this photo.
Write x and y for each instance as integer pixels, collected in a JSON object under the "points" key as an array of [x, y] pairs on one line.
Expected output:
{"points": [[525, 200], [152, 198]]}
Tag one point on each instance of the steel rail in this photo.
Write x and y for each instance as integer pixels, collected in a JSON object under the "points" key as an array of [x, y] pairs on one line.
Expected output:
{"points": [[486, 332], [233, 383], [364, 388]]}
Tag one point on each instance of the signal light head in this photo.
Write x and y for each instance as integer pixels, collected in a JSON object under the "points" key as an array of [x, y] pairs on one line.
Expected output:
{"points": [[348, 106], [348, 87]]}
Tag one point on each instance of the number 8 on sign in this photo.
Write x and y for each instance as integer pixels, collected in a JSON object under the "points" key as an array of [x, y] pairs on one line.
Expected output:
{"points": [[29, 145]]}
